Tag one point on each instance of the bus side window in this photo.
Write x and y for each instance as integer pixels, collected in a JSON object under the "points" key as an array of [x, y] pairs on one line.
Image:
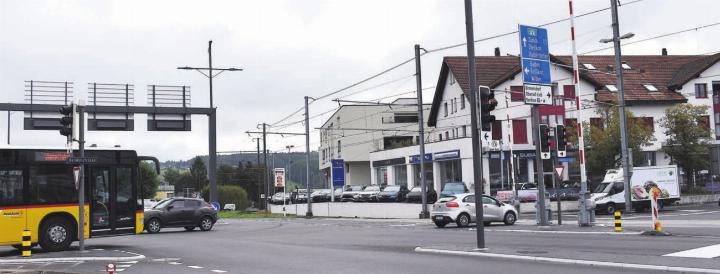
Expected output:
{"points": [[11, 187], [52, 184]]}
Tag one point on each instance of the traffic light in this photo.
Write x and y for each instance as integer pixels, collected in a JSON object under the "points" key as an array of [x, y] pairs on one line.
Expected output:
{"points": [[67, 121], [561, 136], [487, 104], [544, 138]]}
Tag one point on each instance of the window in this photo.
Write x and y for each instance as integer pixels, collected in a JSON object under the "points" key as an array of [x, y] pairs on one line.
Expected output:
{"points": [[447, 135], [701, 90], [704, 121], [178, 204], [192, 204], [569, 92], [650, 87], [611, 88], [496, 130], [52, 184], [11, 187], [464, 131], [597, 122], [440, 137], [339, 147], [462, 101], [452, 78], [446, 109], [588, 66], [517, 93], [469, 199], [406, 118], [455, 104], [519, 131], [626, 66]]}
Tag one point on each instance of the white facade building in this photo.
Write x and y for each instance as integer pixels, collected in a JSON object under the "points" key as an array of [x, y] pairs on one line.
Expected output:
{"points": [[652, 84], [353, 131]]}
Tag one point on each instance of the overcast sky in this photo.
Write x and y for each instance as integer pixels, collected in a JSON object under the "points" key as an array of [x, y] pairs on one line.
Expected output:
{"points": [[288, 49]]}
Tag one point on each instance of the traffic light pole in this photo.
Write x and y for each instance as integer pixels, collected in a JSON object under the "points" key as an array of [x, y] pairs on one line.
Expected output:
{"points": [[541, 211], [556, 183], [81, 185], [476, 147]]}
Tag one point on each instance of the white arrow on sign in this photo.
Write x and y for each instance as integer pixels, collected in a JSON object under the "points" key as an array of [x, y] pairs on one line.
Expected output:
{"points": [[524, 40], [527, 71], [76, 174]]}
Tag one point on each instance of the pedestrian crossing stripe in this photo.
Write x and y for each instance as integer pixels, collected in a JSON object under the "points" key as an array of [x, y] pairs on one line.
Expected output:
{"points": [[707, 252]]}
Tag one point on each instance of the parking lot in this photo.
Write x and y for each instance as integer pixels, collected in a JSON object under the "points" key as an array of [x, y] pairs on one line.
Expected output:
{"points": [[341, 245]]}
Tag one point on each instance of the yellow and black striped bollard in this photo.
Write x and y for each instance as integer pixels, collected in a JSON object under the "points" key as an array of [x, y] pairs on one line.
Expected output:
{"points": [[26, 243], [618, 222]]}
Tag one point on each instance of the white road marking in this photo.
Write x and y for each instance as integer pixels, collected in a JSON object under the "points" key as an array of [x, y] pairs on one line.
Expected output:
{"points": [[123, 265], [175, 263], [218, 271], [707, 252], [131, 262], [119, 269], [568, 261], [195, 266]]}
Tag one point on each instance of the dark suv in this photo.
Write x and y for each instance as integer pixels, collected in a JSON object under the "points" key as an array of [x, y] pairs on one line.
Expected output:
{"points": [[180, 212]]}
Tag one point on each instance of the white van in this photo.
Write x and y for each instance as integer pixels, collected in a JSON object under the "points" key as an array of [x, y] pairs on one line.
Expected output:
{"points": [[609, 196]]}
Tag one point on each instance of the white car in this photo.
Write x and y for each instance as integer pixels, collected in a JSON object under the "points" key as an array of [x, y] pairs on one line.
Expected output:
{"points": [[460, 209]]}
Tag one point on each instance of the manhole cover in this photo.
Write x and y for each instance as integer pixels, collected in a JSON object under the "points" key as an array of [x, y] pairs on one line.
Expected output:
{"points": [[532, 252]]}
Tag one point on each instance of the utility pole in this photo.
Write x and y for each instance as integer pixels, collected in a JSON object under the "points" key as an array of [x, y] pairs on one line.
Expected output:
{"points": [[81, 185], [212, 157], [539, 171], [266, 178], [476, 148], [583, 212], [627, 168], [309, 213], [424, 213]]}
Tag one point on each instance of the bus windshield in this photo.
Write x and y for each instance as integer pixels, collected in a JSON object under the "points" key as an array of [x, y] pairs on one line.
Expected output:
{"points": [[603, 188]]}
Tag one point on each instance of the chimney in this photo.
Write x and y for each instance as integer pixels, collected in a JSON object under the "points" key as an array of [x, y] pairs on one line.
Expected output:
{"points": [[497, 51], [664, 52]]}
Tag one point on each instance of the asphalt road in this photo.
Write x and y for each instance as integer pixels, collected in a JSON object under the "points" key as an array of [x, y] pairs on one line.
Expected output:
{"points": [[387, 246]]}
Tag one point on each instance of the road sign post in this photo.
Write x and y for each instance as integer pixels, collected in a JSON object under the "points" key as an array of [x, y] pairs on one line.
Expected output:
{"points": [[535, 62]]}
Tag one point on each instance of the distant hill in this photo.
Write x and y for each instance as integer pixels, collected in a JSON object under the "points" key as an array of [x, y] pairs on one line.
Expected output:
{"points": [[294, 161]]}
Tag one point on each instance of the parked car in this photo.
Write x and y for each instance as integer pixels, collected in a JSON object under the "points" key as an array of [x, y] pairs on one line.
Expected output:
{"points": [[349, 193], [527, 192], [415, 195], [338, 194], [320, 195], [180, 212], [453, 188], [393, 194], [299, 196], [460, 209], [368, 194], [280, 198]]}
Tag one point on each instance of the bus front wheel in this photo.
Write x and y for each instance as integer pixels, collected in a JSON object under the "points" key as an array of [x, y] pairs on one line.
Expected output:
{"points": [[56, 234]]}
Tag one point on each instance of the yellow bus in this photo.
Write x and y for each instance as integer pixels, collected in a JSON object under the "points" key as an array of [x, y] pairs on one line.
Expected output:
{"points": [[38, 193]]}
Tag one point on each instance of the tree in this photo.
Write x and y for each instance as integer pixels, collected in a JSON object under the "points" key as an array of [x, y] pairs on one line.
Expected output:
{"points": [[149, 180], [688, 134], [230, 195], [604, 146], [227, 175], [171, 175], [199, 174]]}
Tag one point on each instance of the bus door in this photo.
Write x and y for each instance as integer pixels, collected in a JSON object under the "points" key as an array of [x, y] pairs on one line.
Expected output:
{"points": [[12, 210], [112, 206]]}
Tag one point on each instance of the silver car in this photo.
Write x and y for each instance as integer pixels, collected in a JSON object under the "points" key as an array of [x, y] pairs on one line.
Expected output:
{"points": [[460, 209]]}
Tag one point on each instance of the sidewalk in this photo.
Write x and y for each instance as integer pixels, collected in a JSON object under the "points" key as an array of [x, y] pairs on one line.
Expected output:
{"points": [[90, 254]]}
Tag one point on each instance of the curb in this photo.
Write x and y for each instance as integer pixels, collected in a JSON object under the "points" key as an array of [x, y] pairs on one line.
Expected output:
{"points": [[136, 257], [568, 261]]}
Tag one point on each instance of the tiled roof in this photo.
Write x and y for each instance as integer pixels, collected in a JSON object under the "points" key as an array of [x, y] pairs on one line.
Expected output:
{"points": [[666, 72]]}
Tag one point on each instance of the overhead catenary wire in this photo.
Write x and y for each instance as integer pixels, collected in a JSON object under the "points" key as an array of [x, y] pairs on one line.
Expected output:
{"points": [[409, 60]]}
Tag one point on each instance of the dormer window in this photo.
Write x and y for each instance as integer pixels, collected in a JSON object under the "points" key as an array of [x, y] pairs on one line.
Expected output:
{"points": [[626, 66], [588, 66], [612, 88], [650, 87]]}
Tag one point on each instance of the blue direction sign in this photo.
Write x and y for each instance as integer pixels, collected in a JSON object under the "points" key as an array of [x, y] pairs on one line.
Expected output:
{"points": [[535, 55]]}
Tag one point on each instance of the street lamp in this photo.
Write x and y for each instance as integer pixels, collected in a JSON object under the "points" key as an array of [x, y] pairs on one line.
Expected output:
{"points": [[621, 94], [212, 121]]}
